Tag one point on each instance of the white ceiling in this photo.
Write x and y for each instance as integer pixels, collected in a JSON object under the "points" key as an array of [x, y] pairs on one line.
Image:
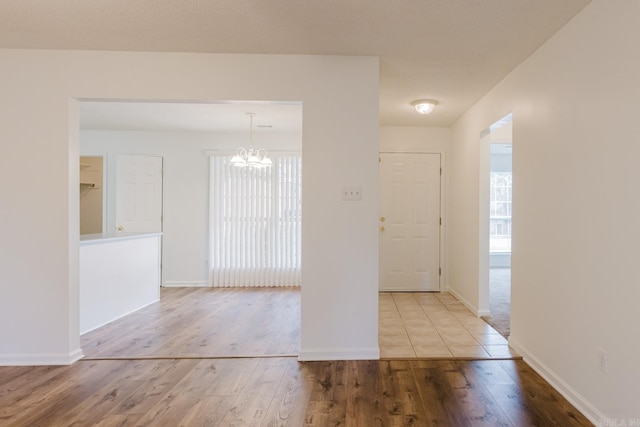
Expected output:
{"points": [[453, 51]]}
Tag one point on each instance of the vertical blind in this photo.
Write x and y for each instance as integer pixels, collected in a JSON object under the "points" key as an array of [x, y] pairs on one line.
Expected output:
{"points": [[255, 223]]}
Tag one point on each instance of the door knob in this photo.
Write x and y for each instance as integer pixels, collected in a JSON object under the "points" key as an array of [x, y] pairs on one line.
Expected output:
{"points": [[382, 219], [120, 228], [381, 228]]}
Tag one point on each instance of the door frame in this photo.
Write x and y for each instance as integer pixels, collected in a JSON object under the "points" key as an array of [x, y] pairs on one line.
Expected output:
{"points": [[444, 283], [484, 173]]}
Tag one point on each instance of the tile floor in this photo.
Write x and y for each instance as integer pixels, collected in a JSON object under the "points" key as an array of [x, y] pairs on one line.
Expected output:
{"points": [[435, 325]]}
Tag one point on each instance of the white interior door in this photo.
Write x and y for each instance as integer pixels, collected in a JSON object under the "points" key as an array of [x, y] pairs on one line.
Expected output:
{"points": [[139, 193], [409, 222]]}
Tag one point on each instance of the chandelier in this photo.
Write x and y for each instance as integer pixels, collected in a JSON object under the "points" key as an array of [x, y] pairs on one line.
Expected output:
{"points": [[250, 157]]}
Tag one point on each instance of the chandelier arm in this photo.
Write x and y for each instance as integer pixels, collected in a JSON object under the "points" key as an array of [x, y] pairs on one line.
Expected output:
{"points": [[251, 157], [251, 130]]}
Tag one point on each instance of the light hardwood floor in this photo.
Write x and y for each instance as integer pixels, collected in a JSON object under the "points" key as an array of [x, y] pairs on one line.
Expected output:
{"points": [[204, 322], [186, 361]]}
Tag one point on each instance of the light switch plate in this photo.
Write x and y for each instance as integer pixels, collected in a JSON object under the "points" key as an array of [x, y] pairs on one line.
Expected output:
{"points": [[352, 194]]}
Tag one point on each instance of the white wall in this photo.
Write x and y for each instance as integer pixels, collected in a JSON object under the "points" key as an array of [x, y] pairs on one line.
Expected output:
{"points": [[39, 130], [575, 237], [414, 139], [117, 277], [186, 188]]}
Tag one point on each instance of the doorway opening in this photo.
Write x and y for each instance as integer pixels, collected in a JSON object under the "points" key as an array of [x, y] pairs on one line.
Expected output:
{"points": [[183, 136], [496, 204]]}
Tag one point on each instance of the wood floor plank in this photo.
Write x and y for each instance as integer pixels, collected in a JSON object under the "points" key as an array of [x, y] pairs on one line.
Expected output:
{"points": [[14, 389], [11, 373], [287, 338], [480, 407], [155, 386], [233, 377], [400, 396], [328, 395], [113, 390], [542, 402], [487, 373], [208, 411], [180, 382], [438, 396], [289, 403], [509, 397], [364, 406], [9, 413], [118, 391], [283, 391], [62, 394], [204, 322], [469, 387], [118, 421], [253, 401], [178, 401]]}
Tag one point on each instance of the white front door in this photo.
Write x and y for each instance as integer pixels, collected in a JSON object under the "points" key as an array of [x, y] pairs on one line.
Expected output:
{"points": [[139, 193], [409, 222]]}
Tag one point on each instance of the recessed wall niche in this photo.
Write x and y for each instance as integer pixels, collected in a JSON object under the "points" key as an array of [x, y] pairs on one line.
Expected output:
{"points": [[91, 194]]}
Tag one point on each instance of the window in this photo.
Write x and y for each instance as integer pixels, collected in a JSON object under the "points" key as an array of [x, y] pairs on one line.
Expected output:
{"points": [[256, 219], [500, 212]]}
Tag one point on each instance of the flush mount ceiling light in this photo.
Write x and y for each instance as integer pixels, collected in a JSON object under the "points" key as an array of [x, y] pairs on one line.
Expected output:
{"points": [[424, 106], [252, 158]]}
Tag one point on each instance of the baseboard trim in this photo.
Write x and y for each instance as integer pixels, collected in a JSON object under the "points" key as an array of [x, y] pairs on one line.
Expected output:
{"points": [[40, 359], [472, 308], [575, 398], [197, 284], [317, 354]]}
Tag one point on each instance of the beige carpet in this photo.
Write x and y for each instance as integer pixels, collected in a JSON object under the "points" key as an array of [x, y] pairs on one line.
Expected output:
{"points": [[500, 300]]}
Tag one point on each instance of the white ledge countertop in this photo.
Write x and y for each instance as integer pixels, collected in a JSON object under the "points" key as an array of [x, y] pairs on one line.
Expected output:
{"points": [[87, 239]]}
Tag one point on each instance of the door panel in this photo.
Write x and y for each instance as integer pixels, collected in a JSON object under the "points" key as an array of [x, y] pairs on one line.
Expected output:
{"points": [[139, 193], [409, 222]]}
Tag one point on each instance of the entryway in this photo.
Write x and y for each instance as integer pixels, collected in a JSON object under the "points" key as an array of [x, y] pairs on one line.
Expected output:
{"points": [[435, 325], [496, 201]]}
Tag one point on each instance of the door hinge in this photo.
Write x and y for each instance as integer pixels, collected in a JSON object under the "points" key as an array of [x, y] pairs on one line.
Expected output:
{"points": [[440, 171], [440, 220], [440, 271]]}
